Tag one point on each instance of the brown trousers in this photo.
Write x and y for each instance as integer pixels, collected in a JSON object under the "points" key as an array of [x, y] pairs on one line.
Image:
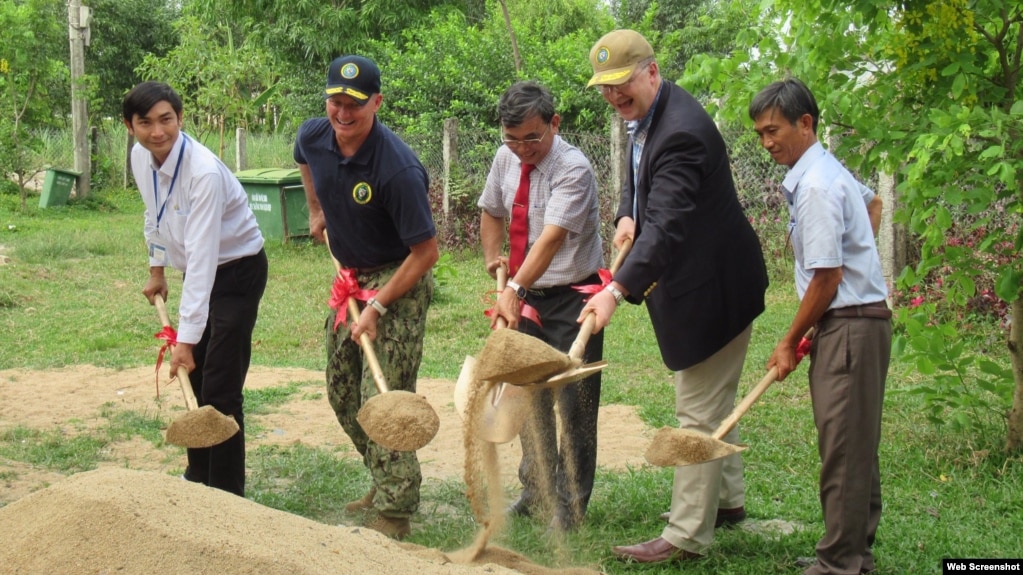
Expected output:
{"points": [[848, 369]]}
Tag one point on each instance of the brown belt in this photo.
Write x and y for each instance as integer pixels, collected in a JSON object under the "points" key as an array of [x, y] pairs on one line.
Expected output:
{"points": [[876, 310]]}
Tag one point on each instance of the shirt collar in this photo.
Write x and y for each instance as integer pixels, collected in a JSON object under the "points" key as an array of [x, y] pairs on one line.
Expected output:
{"points": [[640, 127], [811, 155], [172, 157]]}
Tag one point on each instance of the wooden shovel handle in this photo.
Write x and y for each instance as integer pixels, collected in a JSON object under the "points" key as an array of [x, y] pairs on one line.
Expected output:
{"points": [[586, 329], [733, 418], [755, 393], [502, 281], [186, 384], [364, 341]]}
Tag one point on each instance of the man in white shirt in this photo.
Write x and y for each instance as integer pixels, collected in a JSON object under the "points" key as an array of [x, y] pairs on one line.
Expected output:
{"points": [[198, 221]]}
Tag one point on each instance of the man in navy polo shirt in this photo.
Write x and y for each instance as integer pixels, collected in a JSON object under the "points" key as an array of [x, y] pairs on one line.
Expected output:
{"points": [[368, 191]]}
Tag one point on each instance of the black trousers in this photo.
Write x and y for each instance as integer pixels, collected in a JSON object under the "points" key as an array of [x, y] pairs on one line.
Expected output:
{"points": [[221, 364], [547, 468]]}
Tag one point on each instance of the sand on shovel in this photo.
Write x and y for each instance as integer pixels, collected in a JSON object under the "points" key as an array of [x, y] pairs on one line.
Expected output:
{"points": [[399, 420], [514, 357], [673, 447], [203, 427]]}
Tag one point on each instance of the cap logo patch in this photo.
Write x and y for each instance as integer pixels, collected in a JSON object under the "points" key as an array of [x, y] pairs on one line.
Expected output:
{"points": [[603, 55], [349, 71], [362, 193]]}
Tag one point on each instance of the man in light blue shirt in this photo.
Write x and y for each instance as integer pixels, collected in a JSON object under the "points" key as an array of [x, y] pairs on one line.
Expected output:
{"points": [[833, 219]]}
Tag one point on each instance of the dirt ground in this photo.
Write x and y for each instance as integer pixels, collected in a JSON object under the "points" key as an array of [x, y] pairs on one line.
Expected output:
{"points": [[131, 516], [72, 400]]}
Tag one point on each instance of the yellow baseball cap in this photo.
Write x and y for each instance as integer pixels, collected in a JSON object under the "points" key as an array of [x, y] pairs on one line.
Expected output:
{"points": [[615, 55]]}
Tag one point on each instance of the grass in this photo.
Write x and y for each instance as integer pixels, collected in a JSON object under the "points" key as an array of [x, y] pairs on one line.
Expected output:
{"points": [[70, 294]]}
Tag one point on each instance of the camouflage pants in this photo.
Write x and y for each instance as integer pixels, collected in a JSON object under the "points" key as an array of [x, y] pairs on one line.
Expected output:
{"points": [[399, 347]]}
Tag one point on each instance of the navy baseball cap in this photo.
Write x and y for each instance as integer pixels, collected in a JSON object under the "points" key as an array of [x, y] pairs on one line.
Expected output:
{"points": [[355, 76]]}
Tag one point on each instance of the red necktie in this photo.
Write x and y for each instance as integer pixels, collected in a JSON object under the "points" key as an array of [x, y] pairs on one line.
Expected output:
{"points": [[518, 229]]}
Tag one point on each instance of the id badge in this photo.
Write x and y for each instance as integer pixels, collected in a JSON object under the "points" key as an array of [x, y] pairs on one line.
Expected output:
{"points": [[157, 255]]}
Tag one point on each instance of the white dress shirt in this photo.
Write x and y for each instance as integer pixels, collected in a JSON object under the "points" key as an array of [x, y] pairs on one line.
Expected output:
{"points": [[197, 217]]}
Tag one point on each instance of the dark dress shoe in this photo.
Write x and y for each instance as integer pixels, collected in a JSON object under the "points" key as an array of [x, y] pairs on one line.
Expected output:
{"points": [[725, 517], [653, 551]]}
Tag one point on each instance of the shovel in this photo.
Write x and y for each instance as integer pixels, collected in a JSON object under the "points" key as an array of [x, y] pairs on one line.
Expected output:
{"points": [[579, 345], [199, 426], [673, 447], [398, 420], [504, 409]]}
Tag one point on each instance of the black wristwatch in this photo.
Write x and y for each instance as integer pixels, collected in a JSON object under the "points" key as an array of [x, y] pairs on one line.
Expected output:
{"points": [[520, 291]]}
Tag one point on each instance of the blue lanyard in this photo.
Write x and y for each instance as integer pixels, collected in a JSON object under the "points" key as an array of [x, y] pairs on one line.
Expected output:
{"points": [[174, 178]]}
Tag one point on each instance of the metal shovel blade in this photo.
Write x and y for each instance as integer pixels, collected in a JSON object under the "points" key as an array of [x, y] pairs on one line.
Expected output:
{"points": [[501, 413]]}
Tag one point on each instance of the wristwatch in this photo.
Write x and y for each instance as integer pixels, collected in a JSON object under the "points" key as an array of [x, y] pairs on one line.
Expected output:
{"points": [[381, 308], [619, 296], [519, 290]]}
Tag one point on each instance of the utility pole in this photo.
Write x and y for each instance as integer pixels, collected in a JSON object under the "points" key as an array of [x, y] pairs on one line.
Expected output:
{"points": [[78, 19]]}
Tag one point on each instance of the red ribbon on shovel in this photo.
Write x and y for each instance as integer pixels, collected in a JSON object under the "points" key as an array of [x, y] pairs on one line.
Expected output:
{"points": [[345, 286], [170, 339], [525, 310], [589, 290]]}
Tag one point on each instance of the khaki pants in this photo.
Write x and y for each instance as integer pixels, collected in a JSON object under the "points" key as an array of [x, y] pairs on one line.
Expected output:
{"points": [[704, 396]]}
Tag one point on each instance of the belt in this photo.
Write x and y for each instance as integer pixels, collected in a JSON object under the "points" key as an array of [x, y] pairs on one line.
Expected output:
{"points": [[876, 310], [558, 290], [233, 263]]}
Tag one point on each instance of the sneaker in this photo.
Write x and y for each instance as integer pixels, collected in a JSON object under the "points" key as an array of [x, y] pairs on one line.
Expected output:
{"points": [[393, 527], [362, 504]]}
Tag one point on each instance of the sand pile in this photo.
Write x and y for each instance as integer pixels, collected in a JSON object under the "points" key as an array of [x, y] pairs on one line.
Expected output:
{"points": [[132, 522]]}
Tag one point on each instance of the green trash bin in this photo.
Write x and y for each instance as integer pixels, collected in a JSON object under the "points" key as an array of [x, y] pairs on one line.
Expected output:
{"points": [[277, 199], [57, 187]]}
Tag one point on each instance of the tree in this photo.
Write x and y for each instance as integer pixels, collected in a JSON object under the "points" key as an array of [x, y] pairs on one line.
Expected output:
{"points": [[123, 32], [28, 70], [929, 90], [219, 83]]}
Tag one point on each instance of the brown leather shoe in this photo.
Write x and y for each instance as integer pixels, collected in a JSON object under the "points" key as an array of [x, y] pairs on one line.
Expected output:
{"points": [[653, 551], [725, 517], [366, 502], [393, 527]]}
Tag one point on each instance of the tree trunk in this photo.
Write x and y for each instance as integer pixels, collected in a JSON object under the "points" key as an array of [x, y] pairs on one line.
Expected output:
{"points": [[1014, 441], [511, 33]]}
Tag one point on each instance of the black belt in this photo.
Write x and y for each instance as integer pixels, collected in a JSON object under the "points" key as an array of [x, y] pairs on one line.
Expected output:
{"points": [[876, 310], [558, 290], [233, 263]]}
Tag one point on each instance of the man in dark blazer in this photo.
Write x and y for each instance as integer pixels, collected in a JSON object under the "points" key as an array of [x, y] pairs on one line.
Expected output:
{"points": [[697, 263]]}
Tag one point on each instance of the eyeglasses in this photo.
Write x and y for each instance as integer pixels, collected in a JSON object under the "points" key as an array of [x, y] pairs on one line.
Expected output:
{"points": [[606, 89], [529, 142]]}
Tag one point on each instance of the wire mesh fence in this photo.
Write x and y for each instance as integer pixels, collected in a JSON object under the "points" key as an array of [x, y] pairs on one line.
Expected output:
{"points": [[757, 177]]}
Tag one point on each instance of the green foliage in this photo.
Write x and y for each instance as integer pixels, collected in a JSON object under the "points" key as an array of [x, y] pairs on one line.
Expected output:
{"points": [[222, 85], [29, 70], [960, 388], [122, 33], [471, 66], [927, 90]]}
